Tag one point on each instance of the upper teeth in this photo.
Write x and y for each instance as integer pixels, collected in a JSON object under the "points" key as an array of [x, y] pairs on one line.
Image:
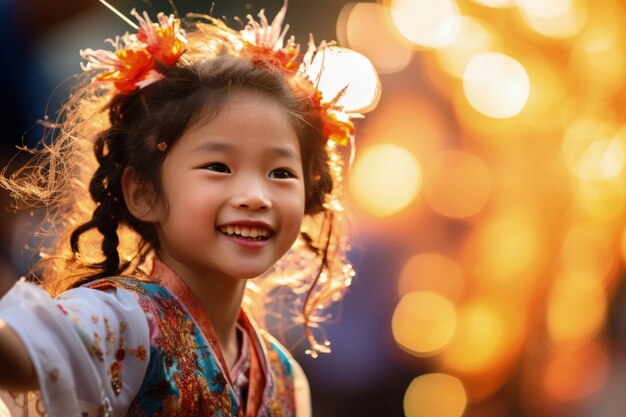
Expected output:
{"points": [[245, 231]]}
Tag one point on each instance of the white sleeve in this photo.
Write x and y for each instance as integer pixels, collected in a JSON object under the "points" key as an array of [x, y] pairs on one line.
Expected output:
{"points": [[89, 347]]}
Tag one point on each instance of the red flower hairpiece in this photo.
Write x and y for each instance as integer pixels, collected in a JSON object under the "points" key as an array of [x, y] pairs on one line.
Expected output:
{"points": [[266, 41], [139, 59]]}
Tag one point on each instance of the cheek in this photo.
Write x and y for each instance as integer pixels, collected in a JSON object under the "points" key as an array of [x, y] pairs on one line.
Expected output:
{"points": [[294, 208], [188, 205]]}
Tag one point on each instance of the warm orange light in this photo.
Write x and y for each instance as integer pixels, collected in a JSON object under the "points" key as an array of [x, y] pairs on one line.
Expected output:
{"points": [[485, 336], [598, 59], [518, 122], [574, 374], [367, 31], [474, 38], [589, 247], [485, 129], [408, 121], [385, 179], [571, 294], [601, 200], [496, 3], [432, 272], [337, 68], [507, 250], [548, 95], [593, 151], [496, 85], [426, 23], [555, 18], [623, 245], [435, 394], [457, 184], [423, 323]]}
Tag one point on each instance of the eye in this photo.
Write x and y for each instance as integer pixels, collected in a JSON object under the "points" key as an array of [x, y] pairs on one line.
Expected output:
{"points": [[282, 173], [218, 167]]}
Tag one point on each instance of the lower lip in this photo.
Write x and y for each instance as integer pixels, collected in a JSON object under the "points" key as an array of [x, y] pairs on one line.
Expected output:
{"points": [[247, 243]]}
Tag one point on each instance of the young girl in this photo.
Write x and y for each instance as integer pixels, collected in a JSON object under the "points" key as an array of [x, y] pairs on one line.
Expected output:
{"points": [[216, 182]]}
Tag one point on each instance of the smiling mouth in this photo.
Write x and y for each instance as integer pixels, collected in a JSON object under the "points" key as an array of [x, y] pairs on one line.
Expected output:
{"points": [[246, 232]]}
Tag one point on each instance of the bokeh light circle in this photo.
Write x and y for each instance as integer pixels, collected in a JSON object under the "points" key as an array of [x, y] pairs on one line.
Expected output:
{"points": [[496, 85], [385, 179], [571, 294], [426, 23], [485, 336], [593, 150], [337, 68], [423, 323], [436, 394], [554, 18], [506, 250], [365, 29]]}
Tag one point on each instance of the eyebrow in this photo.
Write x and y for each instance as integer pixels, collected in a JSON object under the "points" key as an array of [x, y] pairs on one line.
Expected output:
{"points": [[280, 151], [285, 152], [213, 146]]}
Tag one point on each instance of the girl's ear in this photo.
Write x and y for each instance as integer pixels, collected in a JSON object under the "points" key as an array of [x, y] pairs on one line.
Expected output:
{"points": [[139, 197]]}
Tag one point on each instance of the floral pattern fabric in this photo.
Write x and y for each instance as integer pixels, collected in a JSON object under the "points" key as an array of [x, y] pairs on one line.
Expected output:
{"points": [[78, 344], [186, 374], [124, 347]]}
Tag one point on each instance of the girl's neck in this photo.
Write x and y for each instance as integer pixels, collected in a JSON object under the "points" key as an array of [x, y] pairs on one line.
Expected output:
{"points": [[220, 298]]}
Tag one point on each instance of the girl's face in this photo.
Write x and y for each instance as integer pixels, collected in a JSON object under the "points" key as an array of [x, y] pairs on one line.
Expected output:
{"points": [[235, 191]]}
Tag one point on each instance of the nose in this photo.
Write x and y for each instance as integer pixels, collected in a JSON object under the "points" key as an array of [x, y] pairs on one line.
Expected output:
{"points": [[251, 194]]}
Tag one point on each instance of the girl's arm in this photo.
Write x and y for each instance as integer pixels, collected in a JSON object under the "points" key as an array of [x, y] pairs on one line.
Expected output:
{"points": [[16, 369], [88, 349]]}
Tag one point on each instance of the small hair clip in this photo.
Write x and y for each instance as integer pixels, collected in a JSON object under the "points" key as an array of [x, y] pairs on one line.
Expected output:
{"points": [[162, 146]]}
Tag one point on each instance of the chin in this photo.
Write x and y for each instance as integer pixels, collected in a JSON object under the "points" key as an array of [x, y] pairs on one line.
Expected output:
{"points": [[248, 275]]}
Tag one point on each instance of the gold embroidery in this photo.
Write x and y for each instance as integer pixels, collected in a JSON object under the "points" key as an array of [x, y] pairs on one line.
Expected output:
{"points": [[95, 347], [115, 372], [110, 335], [179, 359], [116, 377], [140, 352], [94, 319], [276, 408], [76, 320]]}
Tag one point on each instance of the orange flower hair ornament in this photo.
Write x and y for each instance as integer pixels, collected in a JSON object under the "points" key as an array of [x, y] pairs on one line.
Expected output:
{"points": [[139, 59]]}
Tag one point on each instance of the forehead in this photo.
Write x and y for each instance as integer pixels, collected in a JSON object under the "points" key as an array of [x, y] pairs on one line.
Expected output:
{"points": [[245, 104], [244, 118]]}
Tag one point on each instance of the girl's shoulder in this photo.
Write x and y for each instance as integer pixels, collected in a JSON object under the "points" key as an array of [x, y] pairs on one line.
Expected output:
{"points": [[290, 380], [277, 351]]}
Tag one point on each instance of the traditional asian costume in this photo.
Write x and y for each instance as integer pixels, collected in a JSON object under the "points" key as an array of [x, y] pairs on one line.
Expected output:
{"points": [[128, 347]]}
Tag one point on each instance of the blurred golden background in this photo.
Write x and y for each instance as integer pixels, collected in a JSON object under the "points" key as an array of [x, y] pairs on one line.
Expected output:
{"points": [[506, 145], [488, 193]]}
